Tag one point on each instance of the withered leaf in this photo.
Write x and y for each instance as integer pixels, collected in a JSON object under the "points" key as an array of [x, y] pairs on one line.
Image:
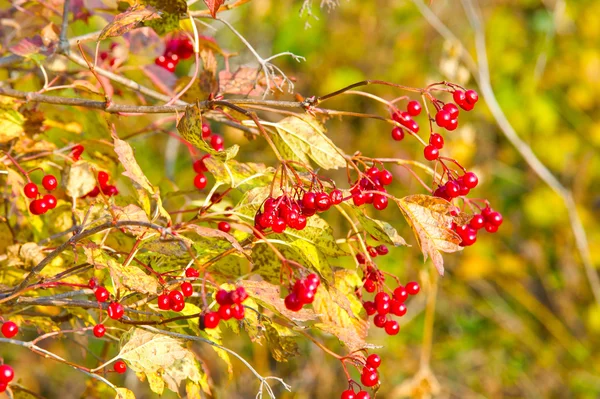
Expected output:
{"points": [[128, 20]]}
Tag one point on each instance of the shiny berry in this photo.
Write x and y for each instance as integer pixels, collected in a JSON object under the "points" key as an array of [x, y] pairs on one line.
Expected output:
{"points": [[380, 320], [292, 302], [191, 272], [50, 200], [225, 312], [120, 367], [363, 395], [397, 133], [31, 190], [216, 142], [238, 311], [309, 200], [164, 303], [322, 201], [380, 202], [115, 310], [200, 181], [348, 394], [459, 97], [102, 294], [374, 360], [412, 288], [397, 308], [49, 182], [471, 97], [413, 108], [477, 222], [369, 378], [99, 330], [436, 140], [336, 196], [470, 180], [494, 218], [386, 177], [392, 327], [370, 307], [10, 329], [6, 374], [187, 289], [442, 118], [431, 153], [224, 227], [370, 286], [211, 320], [103, 178]]}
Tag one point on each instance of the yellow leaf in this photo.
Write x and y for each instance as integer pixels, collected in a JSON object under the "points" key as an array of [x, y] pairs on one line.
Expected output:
{"points": [[80, 179], [124, 393], [269, 295], [127, 21]]}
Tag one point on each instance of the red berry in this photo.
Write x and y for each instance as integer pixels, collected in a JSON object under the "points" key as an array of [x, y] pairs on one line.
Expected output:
{"points": [[413, 288], [392, 327], [120, 367], [348, 394], [370, 307], [413, 108], [187, 289], [175, 297], [216, 142], [494, 218], [471, 97], [452, 110], [359, 199], [6, 374], [10, 329], [442, 118], [200, 181], [31, 190], [211, 320], [50, 200], [309, 200], [369, 378], [382, 250], [191, 272], [278, 225], [372, 251], [491, 228], [206, 131], [49, 182], [380, 202], [99, 330], [102, 294], [222, 297], [397, 133], [164, 303], [322, 201], [239, 295], [386, 177], [115, 310], [363, 395], [477, 222], [292, 302], [76, 152], [38, 207], [103, 178], [199, 166], [400, 294], [382, 297], [380, 320], [452, 189], [459, 97], [370, 286], [436, 140], [470, 180], [225, 312], [452, 124], [224, 227], [238, 311], [336, 196], [374, 360], [431, 153], [397, 308]]}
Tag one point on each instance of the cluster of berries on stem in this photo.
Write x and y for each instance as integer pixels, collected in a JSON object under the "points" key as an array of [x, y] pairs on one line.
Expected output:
{"points": [[302, 292], [41, 204], [177, 49], [103, 186], [230, 306]]}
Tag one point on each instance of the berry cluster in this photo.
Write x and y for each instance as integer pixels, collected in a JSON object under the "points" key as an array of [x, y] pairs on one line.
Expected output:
{"points": [[373, 253], [10, 329], [488, 219], [230, 305], [413, 108], [465, 99], [457, 187], [115, 310], [41, 205], [6, 376], [175, 300], [107, 189], [283, 211], [176, 50], [365, 190], [302, 293], [369, 377], [200, 180]]}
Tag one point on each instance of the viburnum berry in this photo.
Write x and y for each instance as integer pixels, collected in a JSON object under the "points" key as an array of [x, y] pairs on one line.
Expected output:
{"points": [[101, 294], [192, 273], [322, 201], [380, 320], [452, 189], [30, 190], [370, 307], [370, 286], [452, 110], [225, 312], [10, 329], [216, 142], [360, 258], [49, 182], [413, 108], [431, 153], [50, 200], [372, 251], [103, 178], [292, 302], [382, 249], [494, 218], [175, 297], [6, 374], [336, 196], [380, 202], [99, 330], [442, 118], [363, 395], [238, 311], [400, 294], [471, 96], [412, 288], [477, 222], [392, 327], [459, 97], [374, 360], [200, 181], [397, 308], [397, 133], [210, 320], [223, 298], [120, 367], [436, 140], [491, 228], [164, 303], [115, 310], [348, 394], [76, 152], [238, 295], [470, 180], [224, 227], [369, 378], [187, 289], [110, 190]]}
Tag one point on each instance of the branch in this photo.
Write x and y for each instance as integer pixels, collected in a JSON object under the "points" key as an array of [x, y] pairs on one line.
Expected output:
{"points": [[63, 43]]}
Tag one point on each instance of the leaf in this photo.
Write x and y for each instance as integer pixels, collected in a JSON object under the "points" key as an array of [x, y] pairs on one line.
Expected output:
{"points": [[213, 6], [190, 128], [124, 393], [269, 296], [131, 212], [320, 234], [240, 175], [159, 356], [32, 47], [11, 125], [430, 219], [170, 13], [80, 179], [214, 233], [307, 135], [128, 20], [282, 342], [379, 229]]}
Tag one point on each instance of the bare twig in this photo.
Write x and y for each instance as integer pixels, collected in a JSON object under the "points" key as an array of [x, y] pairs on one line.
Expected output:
{"points": [[63, 43]]}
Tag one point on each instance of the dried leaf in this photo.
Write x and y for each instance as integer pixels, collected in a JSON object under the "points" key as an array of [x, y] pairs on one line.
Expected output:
{"points": [[190, 128], [215, 233], [430, 218], [131, 212], [128, 20], [80, 179], [159, 356], [213, 6]]}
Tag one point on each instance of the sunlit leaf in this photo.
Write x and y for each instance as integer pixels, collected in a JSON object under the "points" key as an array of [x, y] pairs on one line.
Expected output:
{"points": [[382, 231], [128, 20]]}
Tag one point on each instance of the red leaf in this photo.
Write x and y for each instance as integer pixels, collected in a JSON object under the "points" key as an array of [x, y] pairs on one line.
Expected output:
{"points": [[213, 6]]}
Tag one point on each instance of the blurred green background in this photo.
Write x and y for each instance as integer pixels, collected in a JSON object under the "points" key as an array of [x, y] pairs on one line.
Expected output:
{"points": [[515, 316]]}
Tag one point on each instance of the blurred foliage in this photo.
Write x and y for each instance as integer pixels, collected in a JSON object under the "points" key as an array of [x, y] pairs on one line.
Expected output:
{"points": [[515, 316]]}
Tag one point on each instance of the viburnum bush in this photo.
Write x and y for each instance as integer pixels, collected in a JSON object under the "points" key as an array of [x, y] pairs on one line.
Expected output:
{"points": [[148, 265]]}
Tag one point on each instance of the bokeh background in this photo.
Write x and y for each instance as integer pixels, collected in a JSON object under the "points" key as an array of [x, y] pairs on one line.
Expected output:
{"points": [[515, 316]]}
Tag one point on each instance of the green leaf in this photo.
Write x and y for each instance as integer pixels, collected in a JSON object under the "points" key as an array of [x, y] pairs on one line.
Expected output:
{"points": [[282, 341], [306, 135], [379, 229], [159, 356], [240, 175], [317, 232], [430, 218], [170, 11], [190, 128]]}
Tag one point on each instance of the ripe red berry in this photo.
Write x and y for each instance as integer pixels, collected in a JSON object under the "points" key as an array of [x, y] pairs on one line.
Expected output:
{"points": [[10, 329], [222, 297], [6, 374], [216, 142], [392, 327], [370, 286], [363, 395], [313, 279], [471, 97], [309, 200], [385, 177], [397, 308], [211, 320], [348, 394], [459, 97], [115, 310], [278, 225], [187, 289], [382, 250], [164, 303], [336, 196], [31, 190], [431, 153], [49, 182], [380, 320], [452, 189], [225, 312], [400, 294], [120, 367], [206, 130], [442, 118], [76, 152], [413, 288], [494, 218], [436, 140], [99, 330], [470, 180], [413, 108], [491, 228], [50, 200], [238, 311], [452, 124], [199, 166], [102, 294], [370, 307], [477, 222], [292, 302], [224, 227], [200, 181], [322, 201], [380, 202], [238, 295], [452, 110], [175, 296], [374, 360], [382, 297], [103, 178], [369, 378], [191, 272], [397, 133]]}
